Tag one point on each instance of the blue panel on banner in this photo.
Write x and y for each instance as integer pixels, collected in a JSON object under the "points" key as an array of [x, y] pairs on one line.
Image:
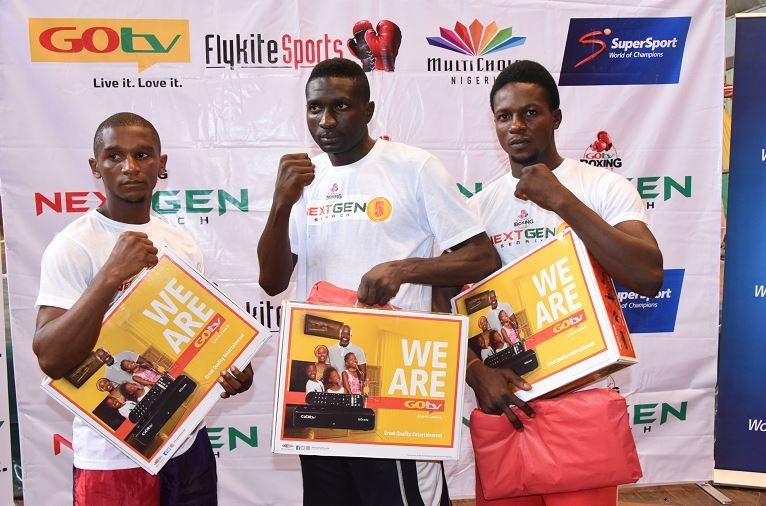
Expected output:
{"points": [[653, 314], [740, 436], [602, 51]]}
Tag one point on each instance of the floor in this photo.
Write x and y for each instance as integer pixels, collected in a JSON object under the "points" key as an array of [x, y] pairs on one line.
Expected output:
{"points": [[678, 495]]}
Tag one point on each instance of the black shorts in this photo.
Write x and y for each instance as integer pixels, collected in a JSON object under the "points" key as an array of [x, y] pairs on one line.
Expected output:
{"points": [[358, 481]]}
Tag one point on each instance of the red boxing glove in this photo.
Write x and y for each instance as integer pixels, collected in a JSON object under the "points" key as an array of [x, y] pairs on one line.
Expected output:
{"points": [[359, 47], [604, 137], [385, 44]]}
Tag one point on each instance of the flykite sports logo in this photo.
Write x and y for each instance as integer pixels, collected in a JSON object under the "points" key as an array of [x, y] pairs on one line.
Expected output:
{"points": [[141, 41], [616, 51], [653, 314], [377, 48], [478, 42], [375, 209], [602, 153]]}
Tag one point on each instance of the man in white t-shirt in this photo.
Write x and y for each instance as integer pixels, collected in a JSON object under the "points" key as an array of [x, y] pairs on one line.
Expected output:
{"points": [[339, 351], [366, 215], [543, 190], [84, 269]]}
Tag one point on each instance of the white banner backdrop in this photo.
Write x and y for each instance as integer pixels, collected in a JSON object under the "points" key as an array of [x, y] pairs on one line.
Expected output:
{"points": [[229, 106]]}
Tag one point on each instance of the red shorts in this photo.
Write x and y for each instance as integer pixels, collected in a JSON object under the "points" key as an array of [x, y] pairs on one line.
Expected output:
{"points": [[189, 479]]}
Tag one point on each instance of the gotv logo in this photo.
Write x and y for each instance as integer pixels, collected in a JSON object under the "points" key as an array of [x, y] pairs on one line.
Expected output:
{"points": [[601, 152], [523, 219], [572, 321], [142, 41], [377, 49], [424, 405]]}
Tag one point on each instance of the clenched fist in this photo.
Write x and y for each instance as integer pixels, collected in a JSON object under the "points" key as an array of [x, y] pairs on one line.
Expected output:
{"points": [[132, 252], [295, 173], [538, 184]]}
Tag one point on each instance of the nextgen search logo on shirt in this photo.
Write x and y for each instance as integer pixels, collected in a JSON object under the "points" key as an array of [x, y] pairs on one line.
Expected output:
{"points": [[376, 209]]}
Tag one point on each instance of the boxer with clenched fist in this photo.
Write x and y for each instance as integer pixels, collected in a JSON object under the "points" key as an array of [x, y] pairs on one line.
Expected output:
{"points": [[366, 214]]}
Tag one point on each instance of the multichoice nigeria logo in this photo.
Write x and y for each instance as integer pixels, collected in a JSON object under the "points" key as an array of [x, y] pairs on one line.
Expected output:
{"points": [[602, 153], [653, 314], [376, 48], [478, 42], [615, 51], [141, 41]]}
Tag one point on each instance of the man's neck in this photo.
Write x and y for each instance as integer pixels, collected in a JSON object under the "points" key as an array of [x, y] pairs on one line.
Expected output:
{"points": [[552, 161], [130, 213], [353, 155]]}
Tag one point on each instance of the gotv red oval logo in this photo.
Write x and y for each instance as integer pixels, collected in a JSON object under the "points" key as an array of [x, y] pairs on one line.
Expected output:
{"points": [[141, 41]]}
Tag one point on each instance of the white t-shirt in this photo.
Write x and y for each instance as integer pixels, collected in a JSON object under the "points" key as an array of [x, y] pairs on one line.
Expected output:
{"points": [[337, 356], [395, 203], [516, 226], [69, 265], [314, 386]]}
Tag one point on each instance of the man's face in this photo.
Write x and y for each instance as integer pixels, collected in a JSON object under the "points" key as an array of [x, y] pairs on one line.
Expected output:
{"points": [[128, 160], [104, 356], [483, 323], [493, 300], [337, 116], [345, 336], [524, 123]]}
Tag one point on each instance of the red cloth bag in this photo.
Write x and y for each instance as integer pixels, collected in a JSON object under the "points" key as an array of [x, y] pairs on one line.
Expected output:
{"points": [[576, 441], [327, 293]]}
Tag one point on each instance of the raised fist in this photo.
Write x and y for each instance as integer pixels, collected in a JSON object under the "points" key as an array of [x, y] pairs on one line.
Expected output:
{"points": [[296, 171]]}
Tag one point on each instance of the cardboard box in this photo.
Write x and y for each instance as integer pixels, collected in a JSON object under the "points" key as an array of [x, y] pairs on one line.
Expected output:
{"points": [[181, 331], [562, 325], [406, 403]]}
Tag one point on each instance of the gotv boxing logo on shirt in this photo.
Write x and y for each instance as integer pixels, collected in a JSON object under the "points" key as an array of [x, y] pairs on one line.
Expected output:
{"points": [[141, 41], [334, 192], [377, 48], [523, 219], [602, 153], [616, 51], [480, 43], [375, 209]]}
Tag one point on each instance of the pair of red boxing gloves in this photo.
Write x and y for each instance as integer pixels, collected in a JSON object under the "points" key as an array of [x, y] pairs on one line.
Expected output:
{"points": [[376, 48]]}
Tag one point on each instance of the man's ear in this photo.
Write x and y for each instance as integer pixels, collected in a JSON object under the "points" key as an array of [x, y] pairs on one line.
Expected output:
{"points": [[94, 168], [556, 118], [163, 162], [370, 110]]}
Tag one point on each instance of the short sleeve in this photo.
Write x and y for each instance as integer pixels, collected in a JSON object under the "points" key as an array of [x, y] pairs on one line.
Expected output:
{"points": [[621, 202], [65, 272], [298, 226], [449, 217]]}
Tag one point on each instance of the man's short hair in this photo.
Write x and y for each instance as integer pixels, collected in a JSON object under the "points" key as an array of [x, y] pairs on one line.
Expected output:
{"points": [[341, 67], [122, 119], [527, 71]]}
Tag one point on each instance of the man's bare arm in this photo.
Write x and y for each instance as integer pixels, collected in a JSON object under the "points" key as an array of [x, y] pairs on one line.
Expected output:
{"points": [[470, 261], [64, 337], [275, 259], [628, 251]]}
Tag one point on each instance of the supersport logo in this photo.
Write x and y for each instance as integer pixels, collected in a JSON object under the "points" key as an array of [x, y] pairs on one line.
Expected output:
{"points": [[596, 42]]}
